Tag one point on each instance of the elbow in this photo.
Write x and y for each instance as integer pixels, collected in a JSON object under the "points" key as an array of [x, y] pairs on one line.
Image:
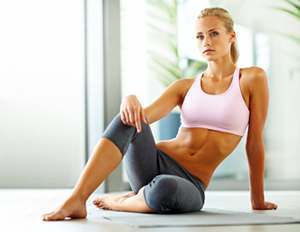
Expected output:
{"points": [[254, 142], [255, 147]]}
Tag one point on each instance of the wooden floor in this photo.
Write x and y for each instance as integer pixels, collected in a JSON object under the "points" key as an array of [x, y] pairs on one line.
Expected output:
{"points": [[20, 210]]}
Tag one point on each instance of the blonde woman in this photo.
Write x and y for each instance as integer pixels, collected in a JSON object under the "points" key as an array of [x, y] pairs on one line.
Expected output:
{"points": [[171, 176]]}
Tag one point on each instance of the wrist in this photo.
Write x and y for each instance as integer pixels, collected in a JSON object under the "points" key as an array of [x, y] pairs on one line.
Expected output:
{"points": [[257, 198], [131, 95], [257, 202], [258, 205]]}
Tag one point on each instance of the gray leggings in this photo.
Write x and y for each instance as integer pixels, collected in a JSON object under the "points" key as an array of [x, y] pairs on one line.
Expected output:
{"points": [[169, 187]]}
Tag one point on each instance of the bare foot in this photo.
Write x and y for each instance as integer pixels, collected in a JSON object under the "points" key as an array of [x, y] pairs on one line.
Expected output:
{"points": [[129, 202], [109, 201], [72, 208]]}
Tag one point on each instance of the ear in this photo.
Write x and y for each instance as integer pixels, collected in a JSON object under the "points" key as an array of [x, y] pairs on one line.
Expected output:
{"points": [[232, 36]]}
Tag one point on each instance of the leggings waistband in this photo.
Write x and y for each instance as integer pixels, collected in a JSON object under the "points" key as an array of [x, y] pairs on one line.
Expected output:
{"points": [[194, 179]]}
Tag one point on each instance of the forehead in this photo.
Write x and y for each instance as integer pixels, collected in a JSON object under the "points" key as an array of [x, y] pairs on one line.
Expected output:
{"points": [[207, 23]]}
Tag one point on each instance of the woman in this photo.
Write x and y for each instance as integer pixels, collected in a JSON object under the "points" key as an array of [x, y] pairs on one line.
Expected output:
{"points": [[172, 175]]}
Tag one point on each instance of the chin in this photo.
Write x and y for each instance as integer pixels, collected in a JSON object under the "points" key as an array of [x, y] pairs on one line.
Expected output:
{"points": [[209, 58]]}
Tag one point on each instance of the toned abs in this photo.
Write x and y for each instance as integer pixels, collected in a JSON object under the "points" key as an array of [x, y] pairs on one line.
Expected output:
{"points": [[201, 150]]}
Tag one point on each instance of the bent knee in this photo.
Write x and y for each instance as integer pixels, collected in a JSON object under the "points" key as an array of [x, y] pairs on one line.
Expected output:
{"points": [[159, 193], [163, 194]]}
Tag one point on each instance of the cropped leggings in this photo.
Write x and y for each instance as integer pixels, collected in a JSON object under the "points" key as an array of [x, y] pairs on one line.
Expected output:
{"points": [[169, 188]]}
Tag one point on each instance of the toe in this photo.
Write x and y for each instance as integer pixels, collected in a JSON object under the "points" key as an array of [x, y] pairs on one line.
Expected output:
{"points": [[48, 217], [45, 216], [97, 200], [55, 216], [99, 205]]}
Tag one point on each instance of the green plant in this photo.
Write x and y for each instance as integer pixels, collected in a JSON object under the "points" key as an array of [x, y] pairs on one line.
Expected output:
{"points": [[162, 25], [293, 9]]}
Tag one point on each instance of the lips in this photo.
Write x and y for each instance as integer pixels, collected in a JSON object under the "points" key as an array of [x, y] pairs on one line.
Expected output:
{"points": [[208, 50]]}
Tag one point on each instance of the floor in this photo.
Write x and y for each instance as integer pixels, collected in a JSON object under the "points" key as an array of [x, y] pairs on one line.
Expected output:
{"points": [[21, 209]]}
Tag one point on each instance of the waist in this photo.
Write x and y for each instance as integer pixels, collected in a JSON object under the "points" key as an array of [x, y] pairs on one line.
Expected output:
{"points": [[193, 138], [200, 184], [199, 151]]}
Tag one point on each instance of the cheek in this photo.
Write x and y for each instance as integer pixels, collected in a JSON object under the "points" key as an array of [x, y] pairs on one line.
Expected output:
{"points": [[223, 46]]}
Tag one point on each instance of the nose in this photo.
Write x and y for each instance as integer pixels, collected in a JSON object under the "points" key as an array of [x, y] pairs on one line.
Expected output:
{"points": [[206, 41]]}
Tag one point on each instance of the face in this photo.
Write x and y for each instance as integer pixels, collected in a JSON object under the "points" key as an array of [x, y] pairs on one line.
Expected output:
{"points": [[213, 40]]}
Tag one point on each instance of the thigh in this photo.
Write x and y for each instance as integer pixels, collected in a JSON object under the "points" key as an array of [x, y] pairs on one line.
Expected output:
{"points": [[167, 165], [141, 159], [138, 149], [173, 194]]}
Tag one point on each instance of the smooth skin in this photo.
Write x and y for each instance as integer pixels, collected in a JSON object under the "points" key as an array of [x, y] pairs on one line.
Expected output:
{"points": [[199, 150]]}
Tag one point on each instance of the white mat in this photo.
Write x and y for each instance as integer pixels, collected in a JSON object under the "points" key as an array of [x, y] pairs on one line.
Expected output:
{"points": [[206, 217]]}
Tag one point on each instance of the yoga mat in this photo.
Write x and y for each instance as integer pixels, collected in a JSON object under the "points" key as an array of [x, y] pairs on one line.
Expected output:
{"points": [[205, 217]]}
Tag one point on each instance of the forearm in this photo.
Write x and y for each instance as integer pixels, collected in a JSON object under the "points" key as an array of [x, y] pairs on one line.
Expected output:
{"points": [[154, 113], [256, 174]]}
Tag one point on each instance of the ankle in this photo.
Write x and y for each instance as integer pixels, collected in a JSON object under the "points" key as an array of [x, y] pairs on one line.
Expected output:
{"points": [[79, 196]]}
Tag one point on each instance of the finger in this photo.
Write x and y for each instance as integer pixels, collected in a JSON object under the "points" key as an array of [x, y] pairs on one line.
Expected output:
{"points": [[136, 122], [127, 115], [130, 115], [147, 120], [144, 116], [122, 117], [139, 120], [271, 206]]}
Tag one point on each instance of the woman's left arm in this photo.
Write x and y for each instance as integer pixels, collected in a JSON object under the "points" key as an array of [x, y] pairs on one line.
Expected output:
{"points": [[258, 106]]}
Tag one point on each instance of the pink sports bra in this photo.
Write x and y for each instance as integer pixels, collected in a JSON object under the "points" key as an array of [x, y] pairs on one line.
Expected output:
{"points": [[225, 112]]}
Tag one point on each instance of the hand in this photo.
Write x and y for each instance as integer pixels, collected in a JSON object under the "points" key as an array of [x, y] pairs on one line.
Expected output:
{"points": [[264, 206], [132, 112]]}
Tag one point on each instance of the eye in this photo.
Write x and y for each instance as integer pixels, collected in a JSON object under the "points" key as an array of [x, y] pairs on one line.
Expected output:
{"points": [[199, 37], [215, 33]]}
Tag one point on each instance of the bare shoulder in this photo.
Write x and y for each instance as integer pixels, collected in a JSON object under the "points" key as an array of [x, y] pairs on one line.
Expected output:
{"points": [[253, 72], [184, 84], [186, 81], [182, 87], [253, 76]]}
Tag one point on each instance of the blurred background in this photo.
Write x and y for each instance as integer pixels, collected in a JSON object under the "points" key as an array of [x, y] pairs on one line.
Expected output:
{"points": [[65, 65]]}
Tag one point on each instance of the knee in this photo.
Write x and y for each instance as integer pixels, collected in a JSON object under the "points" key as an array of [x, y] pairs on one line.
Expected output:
{"points": [[117, 119], [117, 122], [168, 194], [159, 193], [119, 133]]}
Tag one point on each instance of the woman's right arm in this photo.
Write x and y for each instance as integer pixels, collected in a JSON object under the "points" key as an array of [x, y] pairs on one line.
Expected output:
{"points": [[169, 99], [132, 112]]}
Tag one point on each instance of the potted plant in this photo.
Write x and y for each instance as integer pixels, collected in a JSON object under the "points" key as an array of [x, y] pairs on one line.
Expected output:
{"points": [[293, 10], [164, 58]]}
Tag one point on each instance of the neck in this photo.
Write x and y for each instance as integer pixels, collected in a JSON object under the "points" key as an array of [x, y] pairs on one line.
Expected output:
{"points": [[220, 69]]}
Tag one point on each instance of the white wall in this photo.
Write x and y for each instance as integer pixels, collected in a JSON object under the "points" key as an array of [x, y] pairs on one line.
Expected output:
{"points": [[95, 104], [42, 137]]}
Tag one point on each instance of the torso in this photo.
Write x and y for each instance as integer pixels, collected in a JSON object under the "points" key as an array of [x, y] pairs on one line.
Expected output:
{"points": [[201, 150]]}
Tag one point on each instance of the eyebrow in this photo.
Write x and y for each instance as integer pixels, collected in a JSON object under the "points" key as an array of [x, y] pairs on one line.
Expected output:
{"points": [[198, 33]]}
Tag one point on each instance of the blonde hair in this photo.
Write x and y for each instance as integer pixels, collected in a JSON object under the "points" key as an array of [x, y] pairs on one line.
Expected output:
{"points": [[225, 17]]}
